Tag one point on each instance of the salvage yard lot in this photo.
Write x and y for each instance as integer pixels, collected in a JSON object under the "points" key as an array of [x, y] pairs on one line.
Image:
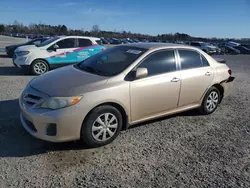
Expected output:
{"points": [[185, 150]]}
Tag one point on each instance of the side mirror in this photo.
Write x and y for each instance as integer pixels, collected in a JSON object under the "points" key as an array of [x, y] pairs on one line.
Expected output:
{"points": [[55, 47], [141, 73]]}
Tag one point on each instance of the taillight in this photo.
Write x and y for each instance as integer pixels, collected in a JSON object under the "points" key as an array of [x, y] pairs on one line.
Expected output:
{"points": [[103, 49], [230, 72]]}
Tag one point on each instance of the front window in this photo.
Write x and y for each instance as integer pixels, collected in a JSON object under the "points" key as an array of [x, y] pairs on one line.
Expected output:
{"points": [[160, 62], [112, 61], [46, 42], [66, 43]]}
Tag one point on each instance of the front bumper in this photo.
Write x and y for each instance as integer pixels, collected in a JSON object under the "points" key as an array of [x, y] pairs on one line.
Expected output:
{"points": [[9, 53], [66, 123], [20, 62]]}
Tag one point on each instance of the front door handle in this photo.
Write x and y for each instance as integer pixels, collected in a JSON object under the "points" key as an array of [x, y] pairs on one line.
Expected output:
{"points": [[175, 79], [208, 73]]}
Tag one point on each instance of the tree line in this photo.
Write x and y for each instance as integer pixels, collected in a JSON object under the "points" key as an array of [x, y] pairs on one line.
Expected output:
{"points": [[51, 30]]}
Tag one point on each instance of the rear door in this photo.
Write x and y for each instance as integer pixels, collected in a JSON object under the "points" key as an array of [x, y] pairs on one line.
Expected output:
{"points": [[196, 76], [85, 49]]}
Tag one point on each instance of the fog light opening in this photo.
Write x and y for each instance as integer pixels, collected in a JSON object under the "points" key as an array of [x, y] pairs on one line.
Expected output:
{"points": [[51, 129]]}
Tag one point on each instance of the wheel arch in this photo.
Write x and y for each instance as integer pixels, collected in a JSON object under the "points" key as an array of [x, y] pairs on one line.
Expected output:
{"points": [[219, 87], [118, 106], [221, 90], [40, 59]]}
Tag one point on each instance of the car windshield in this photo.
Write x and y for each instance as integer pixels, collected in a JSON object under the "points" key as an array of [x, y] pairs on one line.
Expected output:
{"points": [[31, 41], [112, 61], [46, 42]]}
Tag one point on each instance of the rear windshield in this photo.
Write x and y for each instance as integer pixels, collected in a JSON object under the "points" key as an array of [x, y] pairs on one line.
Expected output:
{"points": [[99, 42], [111, 61]]}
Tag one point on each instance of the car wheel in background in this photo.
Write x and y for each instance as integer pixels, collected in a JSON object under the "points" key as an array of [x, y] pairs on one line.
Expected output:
{"points": [[101, 126], [210, 101], [39, 67]]}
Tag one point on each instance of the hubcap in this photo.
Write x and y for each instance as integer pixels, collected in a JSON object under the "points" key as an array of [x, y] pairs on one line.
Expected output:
{"points": [[104, 127], [40, 68], [212, 101]]}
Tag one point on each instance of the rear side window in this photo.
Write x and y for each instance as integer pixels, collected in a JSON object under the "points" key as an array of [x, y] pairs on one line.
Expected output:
{"points": [[66, 43], [160, 63], [99, 42], [84, 42], [191, 59]]}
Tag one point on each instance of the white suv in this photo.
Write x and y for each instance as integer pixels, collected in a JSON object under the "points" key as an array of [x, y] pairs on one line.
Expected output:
{"points": [[56, 52]]}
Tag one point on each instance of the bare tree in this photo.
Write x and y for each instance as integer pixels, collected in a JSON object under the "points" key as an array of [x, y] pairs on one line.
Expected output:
{"points": [[95, 29]]}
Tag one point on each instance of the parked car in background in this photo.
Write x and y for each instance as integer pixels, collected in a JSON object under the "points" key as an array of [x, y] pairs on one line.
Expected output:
{"points": [[122, 86], [104, 40], [246, 45], [231, 50], [225, 49], [10, 49], [243, 49], [115, 41], [56, 52], [210, 49]]}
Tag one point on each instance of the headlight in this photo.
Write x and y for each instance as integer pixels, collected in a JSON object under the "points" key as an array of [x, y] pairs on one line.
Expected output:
{"points": [[60, 102], [22, 53]]}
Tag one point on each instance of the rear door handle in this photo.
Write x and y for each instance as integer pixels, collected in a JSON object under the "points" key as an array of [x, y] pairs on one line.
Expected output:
{"points": [[208, 73], [175, 79]]}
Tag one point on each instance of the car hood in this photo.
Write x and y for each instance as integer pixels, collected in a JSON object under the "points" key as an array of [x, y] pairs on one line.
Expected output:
{"points": [[67, 81], [25, 48], [13, 46]]}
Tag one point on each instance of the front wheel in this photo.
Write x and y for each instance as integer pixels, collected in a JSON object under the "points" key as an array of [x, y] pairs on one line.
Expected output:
{"points": [[101, 126], [210, 101], [39, 67]]}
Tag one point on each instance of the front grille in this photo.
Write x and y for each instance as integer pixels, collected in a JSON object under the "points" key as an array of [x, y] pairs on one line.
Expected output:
{"points": [[32, 98]]}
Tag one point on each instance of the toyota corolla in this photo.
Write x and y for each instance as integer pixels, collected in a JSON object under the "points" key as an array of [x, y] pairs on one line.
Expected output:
{"points": [[122, 86]]}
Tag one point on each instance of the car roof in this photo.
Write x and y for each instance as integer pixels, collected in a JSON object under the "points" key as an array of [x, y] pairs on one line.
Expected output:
{"points": [[152, 45], [84, 37]]}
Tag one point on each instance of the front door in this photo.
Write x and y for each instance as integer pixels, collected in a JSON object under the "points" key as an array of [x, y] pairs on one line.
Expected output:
{"points": [[64, 54], [196, 77], [159, 91]]}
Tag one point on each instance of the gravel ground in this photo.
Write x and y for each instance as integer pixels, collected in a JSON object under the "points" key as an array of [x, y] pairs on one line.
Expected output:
{"points": [[185, 150]]}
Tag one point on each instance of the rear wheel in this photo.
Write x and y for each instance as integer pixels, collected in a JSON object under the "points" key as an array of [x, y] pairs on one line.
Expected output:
{"points": [[101, 126], [39, 67], [210, 101]]}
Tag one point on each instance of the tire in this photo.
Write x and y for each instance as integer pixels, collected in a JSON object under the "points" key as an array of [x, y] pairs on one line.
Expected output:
{"points": [[90, 136], [39, 67], [211, 94]]}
